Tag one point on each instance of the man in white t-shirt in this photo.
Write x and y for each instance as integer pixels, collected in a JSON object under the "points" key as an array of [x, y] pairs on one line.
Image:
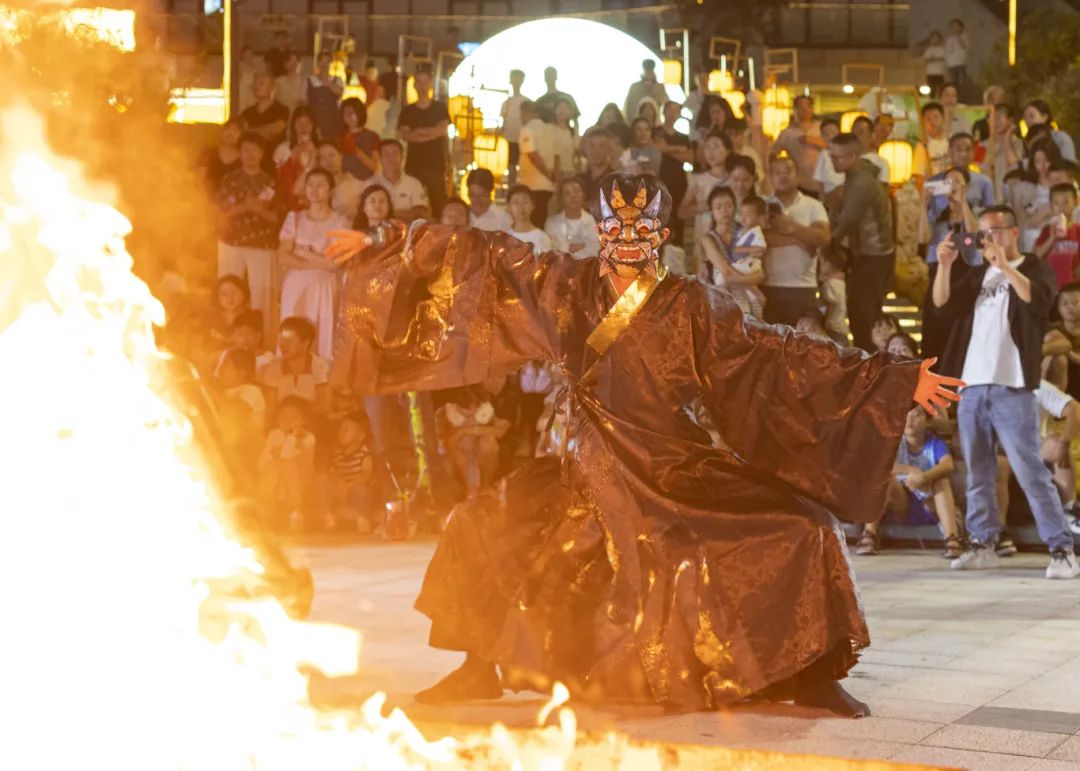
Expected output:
{"points": [[511, 120], [932, 155], [573, 230], [407, 194], [537, 160], [796, 227], [998, 313], [483, 213]]}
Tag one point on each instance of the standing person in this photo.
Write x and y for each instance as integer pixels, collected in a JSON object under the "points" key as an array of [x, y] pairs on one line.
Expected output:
{"points": [[546, 103], [865, 220], [955, 123], [934, 60], [407, 196], [573, 230], [249, 229], [796, 228], [277, 57], [941, 216], [884, 125], [295, 159], [565, 141], [931, 154], [218, 161], [267, 117], [826, 179], [323, 94], [863, 128], [956, 56], [423, 125], [722, 265], [289, 88], [713, 119], [309, 289], [1059, 242], [738, 131], [644, 156], [380, 110], [993, 95], [359, 144], [537, 160], [695, 205], [510, 112], [610, 115], [369, 81], [802, 141], [675, 154], [483, 212], [647, 87], [742, 178], [347, 189], [597, 147], [1037, 113], [1008, 149], [999, 313], [980, 190], [511, 597], [250, 68]]}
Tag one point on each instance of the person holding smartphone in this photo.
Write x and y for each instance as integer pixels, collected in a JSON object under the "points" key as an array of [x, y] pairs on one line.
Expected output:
{"points": [[998, 313]]}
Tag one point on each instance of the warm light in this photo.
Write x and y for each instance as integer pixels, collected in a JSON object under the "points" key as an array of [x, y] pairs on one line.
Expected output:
{"points": [[847, 120], [672, 72], [1012, 33], [197, 105], [492, 152], [112, 26], [848, 88], [776, 110], [924, 90], [721, 81], [584, 51], [898, 153]]}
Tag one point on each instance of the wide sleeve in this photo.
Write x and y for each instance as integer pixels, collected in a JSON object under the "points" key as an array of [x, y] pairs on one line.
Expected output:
{"points": [[823, 419], [447, 307]]}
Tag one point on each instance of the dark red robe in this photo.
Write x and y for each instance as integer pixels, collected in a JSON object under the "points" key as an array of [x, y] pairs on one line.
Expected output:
{"points": [[648, 564]]}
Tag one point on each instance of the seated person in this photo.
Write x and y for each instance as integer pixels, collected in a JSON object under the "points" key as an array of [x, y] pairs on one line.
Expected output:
{"points": [[1061, 345], [352, 475], [884, 328], [471, 433], [902, 346], [287, 465], [519, 203], [811, 322], [455, 212], [921, 474]]}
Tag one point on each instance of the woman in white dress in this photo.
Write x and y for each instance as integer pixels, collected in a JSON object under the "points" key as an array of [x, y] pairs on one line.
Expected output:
{"points": [[311, 281]]}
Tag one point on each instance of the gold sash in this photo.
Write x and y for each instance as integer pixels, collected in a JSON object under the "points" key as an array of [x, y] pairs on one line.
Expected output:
{"points": [[623, 311]]}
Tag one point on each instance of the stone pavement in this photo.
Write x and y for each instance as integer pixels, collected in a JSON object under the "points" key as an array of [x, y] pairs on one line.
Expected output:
{"points": [[976, 670]]}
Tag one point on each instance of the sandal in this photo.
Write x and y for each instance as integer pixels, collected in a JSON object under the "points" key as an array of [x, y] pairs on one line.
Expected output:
{"points": [[953, 547], [867, 545]]}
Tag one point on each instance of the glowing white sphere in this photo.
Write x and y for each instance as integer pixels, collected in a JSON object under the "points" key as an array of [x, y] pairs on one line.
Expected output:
{"points": [[596, 64]]}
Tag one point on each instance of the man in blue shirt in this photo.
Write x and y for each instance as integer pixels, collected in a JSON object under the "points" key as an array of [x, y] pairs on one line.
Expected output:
{"points": [[980, 190]]}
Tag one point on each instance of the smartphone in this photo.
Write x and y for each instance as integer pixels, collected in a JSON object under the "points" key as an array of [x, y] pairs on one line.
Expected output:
{"points": [[938, 187]]}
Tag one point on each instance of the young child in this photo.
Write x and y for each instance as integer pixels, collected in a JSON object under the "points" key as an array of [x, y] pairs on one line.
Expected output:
{"points": [[810, 322], [884, 328], [922, 470], [520, 205], [1059, 241], [243, 407], [749, 237], [287, 465], [832, 283], [352, 475]]}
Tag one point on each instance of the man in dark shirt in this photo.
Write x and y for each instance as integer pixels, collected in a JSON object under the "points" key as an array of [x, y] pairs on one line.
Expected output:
{"points": [[423, 126], [675, 151], [267, 117], [547, 102], [278, 55], [596, 144]]}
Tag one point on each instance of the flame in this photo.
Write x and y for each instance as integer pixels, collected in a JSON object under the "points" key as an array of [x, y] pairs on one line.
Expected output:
{"points": [[116, 653]]}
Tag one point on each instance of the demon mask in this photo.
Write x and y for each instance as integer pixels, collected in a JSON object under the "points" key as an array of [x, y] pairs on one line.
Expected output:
{"points": [[631, 210]]}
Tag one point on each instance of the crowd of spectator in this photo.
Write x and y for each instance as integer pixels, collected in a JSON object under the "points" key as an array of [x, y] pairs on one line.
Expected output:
{"points": [[799, 230]]}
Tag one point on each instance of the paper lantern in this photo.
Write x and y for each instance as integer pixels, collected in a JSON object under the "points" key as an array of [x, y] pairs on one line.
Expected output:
{"points": [[847, 120], [898, 154], [492, 152], [672, 72], [737, 100], [410, 91], [721, 81], [776, 112], [467, 120]]}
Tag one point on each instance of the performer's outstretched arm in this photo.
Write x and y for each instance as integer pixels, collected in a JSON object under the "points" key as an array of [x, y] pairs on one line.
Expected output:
{"points": [[824, 419], [437, 307]]}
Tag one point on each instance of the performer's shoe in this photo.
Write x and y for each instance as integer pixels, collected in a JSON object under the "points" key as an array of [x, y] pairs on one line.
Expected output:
{"points": [[828, 694], [468, 682]]}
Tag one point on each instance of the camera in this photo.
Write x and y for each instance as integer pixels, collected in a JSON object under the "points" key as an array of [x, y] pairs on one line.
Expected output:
{"points": [[965, 240]]}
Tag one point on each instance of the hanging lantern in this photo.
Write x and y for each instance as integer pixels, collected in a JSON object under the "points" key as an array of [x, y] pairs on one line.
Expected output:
{"points": [[672, 72], [898, 154], [492, 152], [721, 81], [776, 112], [410, 91], [847, 120]]}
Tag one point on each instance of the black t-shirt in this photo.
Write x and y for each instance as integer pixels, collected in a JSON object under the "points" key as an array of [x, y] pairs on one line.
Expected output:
{"points": [[275, 61], [671, 169], [253, 120], [425, 156]]}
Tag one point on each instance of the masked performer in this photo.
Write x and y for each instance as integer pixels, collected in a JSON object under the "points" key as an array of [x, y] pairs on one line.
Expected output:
{"points": [[647, 563]]}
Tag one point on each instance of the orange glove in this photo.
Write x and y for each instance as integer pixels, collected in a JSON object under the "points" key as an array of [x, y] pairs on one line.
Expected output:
{"points": [[932, 391], [346, 245]]}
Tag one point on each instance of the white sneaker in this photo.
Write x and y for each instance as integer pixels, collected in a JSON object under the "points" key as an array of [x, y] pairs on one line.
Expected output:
{"points": [[1074, 525], [1063, 564], [976, 558]]}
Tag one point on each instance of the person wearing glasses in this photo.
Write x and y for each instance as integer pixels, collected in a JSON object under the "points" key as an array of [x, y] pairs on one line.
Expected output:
{"points": [[999, 312]]}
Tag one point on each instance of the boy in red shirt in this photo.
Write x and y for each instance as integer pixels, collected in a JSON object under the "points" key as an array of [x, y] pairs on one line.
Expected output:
{"points": [[1059, 242]]}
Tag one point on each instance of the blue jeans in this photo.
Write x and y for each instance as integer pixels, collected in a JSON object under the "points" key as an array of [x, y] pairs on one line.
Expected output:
{"points": [[992, 414]]}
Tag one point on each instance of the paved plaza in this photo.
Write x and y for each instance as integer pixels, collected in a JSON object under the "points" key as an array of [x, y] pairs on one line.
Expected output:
{"points": [[976, 670]]}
